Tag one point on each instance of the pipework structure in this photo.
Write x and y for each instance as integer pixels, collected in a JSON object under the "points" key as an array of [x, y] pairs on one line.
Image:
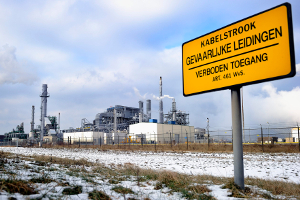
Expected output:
{"points": [[177, 116], [161, 114], [116, 118], [44, 97]]}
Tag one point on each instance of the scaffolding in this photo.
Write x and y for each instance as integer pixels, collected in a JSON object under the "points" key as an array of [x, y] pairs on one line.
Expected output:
{"points": [[118, 117]]}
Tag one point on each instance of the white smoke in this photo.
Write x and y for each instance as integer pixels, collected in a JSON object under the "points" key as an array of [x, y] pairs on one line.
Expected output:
{"points": [[11, 71], [162, 97], [137, 92]]}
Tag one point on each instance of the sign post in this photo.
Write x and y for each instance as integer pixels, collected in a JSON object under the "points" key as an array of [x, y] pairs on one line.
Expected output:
{"points": [[237, 137], [256, 49]]}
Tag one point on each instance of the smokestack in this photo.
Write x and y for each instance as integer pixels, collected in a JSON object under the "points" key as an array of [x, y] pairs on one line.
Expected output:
{"points": [[174, 110], [32, 119], [141, 107], [161, 114], [44, 97], [148, 109]]}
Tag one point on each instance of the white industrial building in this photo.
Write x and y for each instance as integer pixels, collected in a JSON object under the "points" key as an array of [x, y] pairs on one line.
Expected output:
{"points": [[161, 133], [84, 136], [295, 134], [93, 137]]}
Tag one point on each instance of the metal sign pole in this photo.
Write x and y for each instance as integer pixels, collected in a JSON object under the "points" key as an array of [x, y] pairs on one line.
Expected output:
{"points": [[237, 137], [298, 136]]}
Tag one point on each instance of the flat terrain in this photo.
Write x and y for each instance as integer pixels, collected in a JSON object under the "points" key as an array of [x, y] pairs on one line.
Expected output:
{"points": [[62, 173], [274, 166]]}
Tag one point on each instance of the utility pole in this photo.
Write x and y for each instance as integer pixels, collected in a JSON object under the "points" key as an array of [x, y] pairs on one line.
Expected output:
{"points": [[268, 132], [298, 137], [262, 138], [207, 127], [170, 139], [142, 140], [187, 141]]}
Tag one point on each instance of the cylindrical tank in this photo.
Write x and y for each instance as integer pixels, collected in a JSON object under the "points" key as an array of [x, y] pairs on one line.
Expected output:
{"points": [[148, 109], [141, 107]]}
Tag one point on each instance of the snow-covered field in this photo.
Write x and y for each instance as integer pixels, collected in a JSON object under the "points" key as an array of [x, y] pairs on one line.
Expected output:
{"points": [[276, 166], [279, 166]]}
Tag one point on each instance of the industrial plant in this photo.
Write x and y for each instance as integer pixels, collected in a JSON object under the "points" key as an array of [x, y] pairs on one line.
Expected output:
{"points": [[119, 123]]}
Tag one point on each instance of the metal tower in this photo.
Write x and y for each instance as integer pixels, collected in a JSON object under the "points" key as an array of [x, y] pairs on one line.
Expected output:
{"points": [[44, 97], [161, 113]]}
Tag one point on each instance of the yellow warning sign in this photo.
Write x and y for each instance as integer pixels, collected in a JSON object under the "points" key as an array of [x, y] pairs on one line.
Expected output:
{"points": [[256, 49]]}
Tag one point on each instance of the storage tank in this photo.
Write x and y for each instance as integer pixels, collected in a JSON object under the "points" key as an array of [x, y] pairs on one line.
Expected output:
{"points": [[148, 109], [141, 114]]}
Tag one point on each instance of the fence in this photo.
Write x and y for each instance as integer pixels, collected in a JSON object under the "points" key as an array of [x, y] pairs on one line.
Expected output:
{"points": [[257, 136]]}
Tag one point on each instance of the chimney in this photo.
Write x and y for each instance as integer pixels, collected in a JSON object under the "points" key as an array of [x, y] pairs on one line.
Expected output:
{"points": [[161, 114]]}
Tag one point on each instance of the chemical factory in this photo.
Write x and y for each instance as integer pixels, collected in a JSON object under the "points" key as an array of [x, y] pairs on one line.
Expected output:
{"points": [[118, 124]]}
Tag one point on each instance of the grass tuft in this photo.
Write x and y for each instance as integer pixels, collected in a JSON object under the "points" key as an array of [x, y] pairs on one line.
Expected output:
{"points": [[98, 195], [43, 179], [122, 190], [16, 186], [73, 190], [113, 181], [236, 191], [158, 186]]}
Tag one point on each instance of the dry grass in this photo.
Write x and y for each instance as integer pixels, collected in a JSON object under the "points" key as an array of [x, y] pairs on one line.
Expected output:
{"points": [[236, 191], [122, 190], [190, 186], [194, 147], [17, 186], [72, 190], [276, 187], [98, 195]]}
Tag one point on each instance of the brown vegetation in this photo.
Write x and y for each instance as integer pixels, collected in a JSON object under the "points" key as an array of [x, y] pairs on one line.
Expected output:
{"points": [[194, 147], [190, 186]]}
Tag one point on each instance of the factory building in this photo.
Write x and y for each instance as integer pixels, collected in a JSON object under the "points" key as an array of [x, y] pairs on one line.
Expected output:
{"points": [[114, 124], [117, 118], [16, 134], [161, 133]]}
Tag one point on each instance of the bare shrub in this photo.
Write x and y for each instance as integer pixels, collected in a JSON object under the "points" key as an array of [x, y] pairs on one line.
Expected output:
{"points": [[17, 186]]}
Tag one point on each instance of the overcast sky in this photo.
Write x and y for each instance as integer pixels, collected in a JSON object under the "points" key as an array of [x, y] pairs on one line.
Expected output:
{"points": [[97, 54]]}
